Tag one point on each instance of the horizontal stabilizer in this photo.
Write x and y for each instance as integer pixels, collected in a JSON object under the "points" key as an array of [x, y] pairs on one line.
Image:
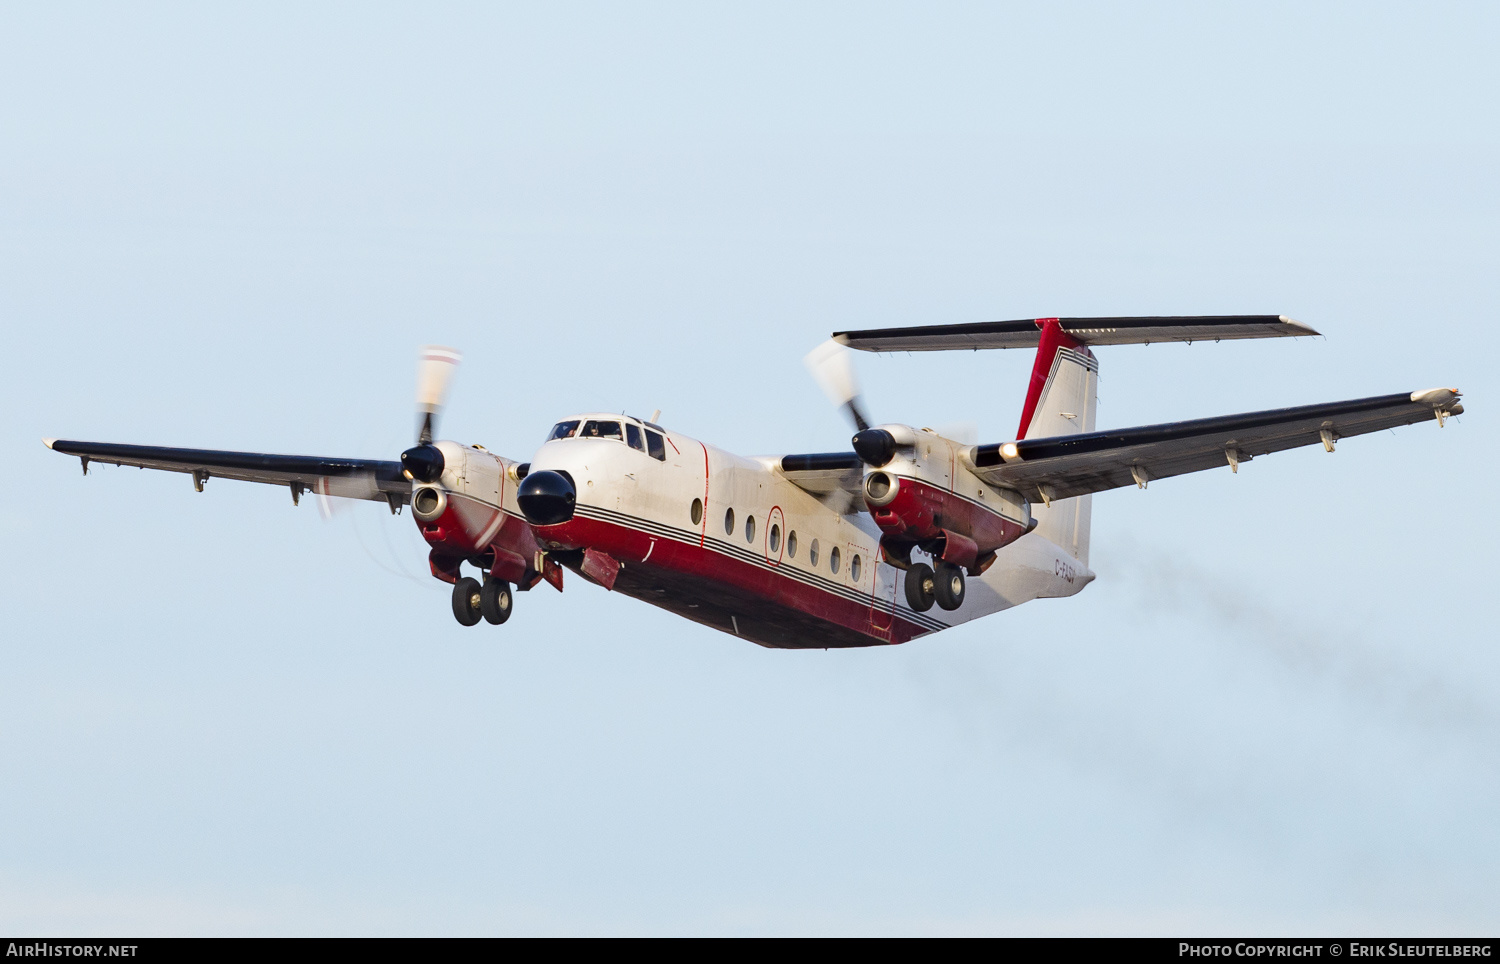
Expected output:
{"points": [[1088, 331], [1047, 469]]}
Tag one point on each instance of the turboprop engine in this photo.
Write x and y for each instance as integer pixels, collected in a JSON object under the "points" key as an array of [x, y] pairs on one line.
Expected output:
{"points": [[458, 491], [920, 493], [917, 485]]}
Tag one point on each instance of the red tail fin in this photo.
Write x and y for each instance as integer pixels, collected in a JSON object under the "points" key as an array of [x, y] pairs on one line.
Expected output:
{"points": [[1053, 339]]}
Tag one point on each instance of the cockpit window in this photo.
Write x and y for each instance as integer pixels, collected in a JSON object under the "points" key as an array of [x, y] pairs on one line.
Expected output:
{"points": [[655, 447], [563, 430], [633, 436], [593, 429]]}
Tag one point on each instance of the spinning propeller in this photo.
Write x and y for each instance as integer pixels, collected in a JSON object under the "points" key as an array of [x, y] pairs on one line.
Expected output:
{"points": [[436, 365], [833, 370], [832, 367]]}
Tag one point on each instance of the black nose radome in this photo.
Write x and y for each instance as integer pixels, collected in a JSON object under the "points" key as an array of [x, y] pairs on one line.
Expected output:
{"points": [[547, 498], [423, 462], [874, 446]]}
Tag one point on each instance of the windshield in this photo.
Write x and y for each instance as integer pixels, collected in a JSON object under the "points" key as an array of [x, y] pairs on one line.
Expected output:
{"points": [[563, 430], [593, 429]]}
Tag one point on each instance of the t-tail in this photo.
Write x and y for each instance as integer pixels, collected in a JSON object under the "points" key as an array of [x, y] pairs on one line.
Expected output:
{"points": [[1062, 399]]}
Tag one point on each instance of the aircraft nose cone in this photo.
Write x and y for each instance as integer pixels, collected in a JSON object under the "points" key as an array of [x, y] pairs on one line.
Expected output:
{"points": [[547, 498]]}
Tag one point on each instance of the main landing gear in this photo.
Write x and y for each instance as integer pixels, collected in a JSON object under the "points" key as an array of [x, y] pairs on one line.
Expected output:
{"points": [[491, 601], [924, 586]]}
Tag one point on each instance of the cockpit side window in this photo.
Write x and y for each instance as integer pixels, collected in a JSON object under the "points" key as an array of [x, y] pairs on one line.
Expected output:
{"points": [[654, 446], [633, 436], [593, 429], [563, 430]]}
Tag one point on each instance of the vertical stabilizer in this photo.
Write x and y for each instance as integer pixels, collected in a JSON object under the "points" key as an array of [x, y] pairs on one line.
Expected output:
{"points": [[1062, 399]]}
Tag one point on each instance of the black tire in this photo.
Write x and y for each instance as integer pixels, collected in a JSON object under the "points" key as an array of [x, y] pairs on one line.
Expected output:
{"points": [[466, 601], [948, 586], [495, 601], [919, 586]]}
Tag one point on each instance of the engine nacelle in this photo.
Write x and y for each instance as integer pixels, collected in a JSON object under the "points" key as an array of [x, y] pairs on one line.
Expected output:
{"points": [[923, 497], [460, 515]]}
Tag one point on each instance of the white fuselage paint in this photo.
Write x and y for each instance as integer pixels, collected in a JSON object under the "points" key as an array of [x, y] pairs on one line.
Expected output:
{"points": [[625, 484]]}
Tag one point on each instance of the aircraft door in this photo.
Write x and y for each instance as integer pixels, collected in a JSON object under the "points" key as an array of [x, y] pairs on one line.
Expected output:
{"points": [[774, 545], [883, 585]]}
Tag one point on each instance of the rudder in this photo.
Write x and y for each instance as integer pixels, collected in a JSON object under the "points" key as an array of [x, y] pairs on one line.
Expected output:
{"points": [[1062, 399]]}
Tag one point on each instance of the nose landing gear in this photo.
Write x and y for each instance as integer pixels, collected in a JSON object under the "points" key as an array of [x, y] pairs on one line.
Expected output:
{"points": [[491, 602]]}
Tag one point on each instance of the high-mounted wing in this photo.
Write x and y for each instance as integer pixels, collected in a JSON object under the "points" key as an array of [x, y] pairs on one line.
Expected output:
{"points": [[348, 478], [1044, 469], [834, 477], [1027, 333]]}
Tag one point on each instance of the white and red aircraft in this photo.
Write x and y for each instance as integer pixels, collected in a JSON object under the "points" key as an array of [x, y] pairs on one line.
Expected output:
{"points": [[807, 551]]}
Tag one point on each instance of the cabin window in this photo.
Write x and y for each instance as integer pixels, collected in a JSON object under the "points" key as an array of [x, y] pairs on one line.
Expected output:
{"points": [[563, 430], [812, 553], [633, 436], [791, 543], [854, 568], [729, 522], [655, 447], [749, 528], [775, 538], [696, 511], [593, 429], [833, 559]]}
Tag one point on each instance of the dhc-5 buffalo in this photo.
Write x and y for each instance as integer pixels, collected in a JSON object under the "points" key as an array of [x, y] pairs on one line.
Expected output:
{"points": [[907, 533]]}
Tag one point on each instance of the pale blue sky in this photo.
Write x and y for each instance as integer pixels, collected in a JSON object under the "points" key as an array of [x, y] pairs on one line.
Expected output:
{"points": [[1274, 712]]}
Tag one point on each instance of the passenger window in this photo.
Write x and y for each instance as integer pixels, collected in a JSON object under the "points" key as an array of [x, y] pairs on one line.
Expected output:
{"points": [[633, 436], [812, 554], [563, 430], [791, 543], [593, 429], [833, 559], [655, 447], [749, 528], [854, 568], [729, 522], [696, 511], [775, 538]]}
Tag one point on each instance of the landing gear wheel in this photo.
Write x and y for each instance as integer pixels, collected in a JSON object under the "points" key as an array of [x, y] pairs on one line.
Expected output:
{"points": [[466, 595], [495, 601], [919, 587], [948, 586]]}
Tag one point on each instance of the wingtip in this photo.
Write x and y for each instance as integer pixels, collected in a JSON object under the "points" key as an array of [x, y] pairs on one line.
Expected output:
{"points": [[48, 442], [1437, 396], [1302, 329]]}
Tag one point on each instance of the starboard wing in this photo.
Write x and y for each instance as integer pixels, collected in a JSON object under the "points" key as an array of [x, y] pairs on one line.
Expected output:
{"points": [[348, 478], [1045, 469]]}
